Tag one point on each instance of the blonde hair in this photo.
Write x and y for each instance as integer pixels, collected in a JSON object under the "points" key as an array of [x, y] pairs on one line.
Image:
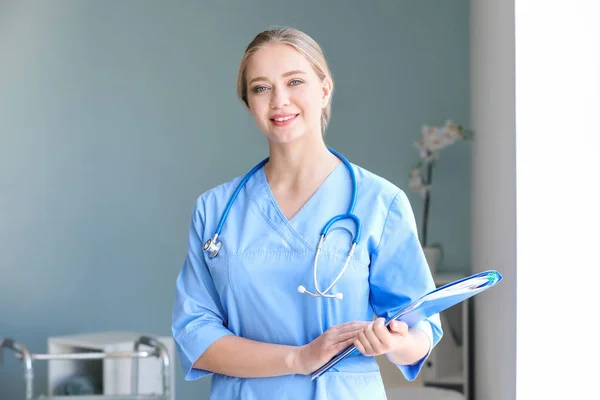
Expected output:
{"points": [[300, 41]]}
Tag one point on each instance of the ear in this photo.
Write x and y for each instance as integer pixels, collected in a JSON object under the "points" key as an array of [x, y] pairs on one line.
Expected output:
{"points": [[327, 88]]}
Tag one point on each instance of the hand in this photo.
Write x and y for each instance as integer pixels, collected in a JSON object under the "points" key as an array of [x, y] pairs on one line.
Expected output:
{"points": [[377, 339], [335, 339]]}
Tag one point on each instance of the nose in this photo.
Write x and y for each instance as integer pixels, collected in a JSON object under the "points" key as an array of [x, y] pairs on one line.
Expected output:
{"points": [[279, 98]]}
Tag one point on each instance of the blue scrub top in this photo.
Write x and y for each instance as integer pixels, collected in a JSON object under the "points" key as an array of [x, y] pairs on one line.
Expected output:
{"points": [[250, 288]]}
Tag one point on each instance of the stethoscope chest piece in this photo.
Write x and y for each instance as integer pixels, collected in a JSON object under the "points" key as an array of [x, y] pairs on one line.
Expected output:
{"points": [[212, 246]]}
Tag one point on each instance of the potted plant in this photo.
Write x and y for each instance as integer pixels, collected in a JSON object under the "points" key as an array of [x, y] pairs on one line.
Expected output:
{"points": [[434, 139]]}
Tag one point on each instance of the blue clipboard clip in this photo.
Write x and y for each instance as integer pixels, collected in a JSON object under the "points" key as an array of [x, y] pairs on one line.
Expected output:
{"points": [[430, 304]]}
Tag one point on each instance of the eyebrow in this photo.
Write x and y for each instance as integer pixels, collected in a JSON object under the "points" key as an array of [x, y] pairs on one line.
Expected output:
{"points": [[262, 78]]}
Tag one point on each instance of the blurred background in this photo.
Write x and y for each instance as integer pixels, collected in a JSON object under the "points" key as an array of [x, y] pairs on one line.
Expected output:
{"points": [[115, 116]]}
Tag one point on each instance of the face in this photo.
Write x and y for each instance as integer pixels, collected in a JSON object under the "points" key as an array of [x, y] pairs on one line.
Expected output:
{"points": [[285, 95]]}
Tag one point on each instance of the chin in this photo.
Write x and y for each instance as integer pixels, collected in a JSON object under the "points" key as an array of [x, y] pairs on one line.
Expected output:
{"points": [[282, 136]]}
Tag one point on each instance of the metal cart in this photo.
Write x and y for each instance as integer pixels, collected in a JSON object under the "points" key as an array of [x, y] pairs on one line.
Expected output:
{"points": [[158, 350]]}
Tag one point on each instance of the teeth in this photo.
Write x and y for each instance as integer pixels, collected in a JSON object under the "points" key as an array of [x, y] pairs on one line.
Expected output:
{"points": [[283, 119]]}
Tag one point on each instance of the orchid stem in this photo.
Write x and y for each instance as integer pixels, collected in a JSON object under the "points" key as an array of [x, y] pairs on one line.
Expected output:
{"points": [[427, 202]]}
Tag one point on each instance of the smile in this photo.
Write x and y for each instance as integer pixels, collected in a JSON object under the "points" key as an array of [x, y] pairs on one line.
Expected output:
{"points": [[283, 119]]}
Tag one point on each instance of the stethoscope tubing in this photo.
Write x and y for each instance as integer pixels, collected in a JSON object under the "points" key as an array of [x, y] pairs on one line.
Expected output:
{"points": [[213, 247]]}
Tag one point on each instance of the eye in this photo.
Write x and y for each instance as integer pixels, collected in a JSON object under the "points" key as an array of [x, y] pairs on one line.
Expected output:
{"points": [[295, 82], [258, 89]]}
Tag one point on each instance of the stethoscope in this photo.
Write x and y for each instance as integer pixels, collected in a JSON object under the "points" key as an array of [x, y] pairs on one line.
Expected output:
{"points": [[212, 246]]}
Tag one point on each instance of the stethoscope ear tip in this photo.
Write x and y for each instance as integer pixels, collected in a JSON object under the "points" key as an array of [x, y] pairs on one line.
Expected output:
{"points": [[301, 289], [339, 296]]}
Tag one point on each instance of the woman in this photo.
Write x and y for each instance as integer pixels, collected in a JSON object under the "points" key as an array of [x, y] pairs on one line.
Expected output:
{"points": [[242, 309]]}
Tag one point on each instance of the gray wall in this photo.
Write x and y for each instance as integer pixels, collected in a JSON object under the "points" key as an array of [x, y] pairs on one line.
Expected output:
{"points": [[114, 116]]}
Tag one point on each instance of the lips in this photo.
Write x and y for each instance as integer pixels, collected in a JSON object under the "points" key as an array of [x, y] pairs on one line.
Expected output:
{"points": [[283, 119]]}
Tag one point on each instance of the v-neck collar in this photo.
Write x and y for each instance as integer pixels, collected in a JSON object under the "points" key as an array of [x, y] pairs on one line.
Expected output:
{"points": [[276, 216]]}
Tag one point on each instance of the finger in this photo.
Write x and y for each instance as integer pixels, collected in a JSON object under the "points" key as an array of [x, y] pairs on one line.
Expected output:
{"points": [[345, 344], [399, 327], [383, 334], [352, 328], [366, 345], [333, 337], [360, 347], [374, 342], [347, 335], [349, 326]]}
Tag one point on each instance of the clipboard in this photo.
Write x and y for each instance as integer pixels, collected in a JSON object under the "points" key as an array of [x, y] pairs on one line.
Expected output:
{"points": [[430, 304]]}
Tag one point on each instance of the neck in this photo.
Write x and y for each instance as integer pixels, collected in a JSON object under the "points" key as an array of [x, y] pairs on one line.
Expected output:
{"points": [[304, 160]]}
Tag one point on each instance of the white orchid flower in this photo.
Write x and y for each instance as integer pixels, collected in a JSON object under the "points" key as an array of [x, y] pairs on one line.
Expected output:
{"points": [[434, 141], [452, 132], [416, 182], [420, 145]]}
